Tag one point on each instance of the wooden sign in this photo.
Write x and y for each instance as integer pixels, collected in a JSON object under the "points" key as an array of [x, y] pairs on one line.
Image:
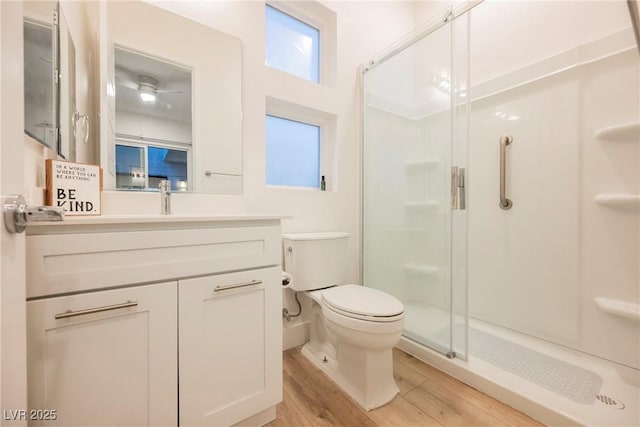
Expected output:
{"points": [[75, 187]]}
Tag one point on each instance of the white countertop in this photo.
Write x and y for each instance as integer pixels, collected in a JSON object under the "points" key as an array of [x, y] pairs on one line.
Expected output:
{"points": [[83, 223]]}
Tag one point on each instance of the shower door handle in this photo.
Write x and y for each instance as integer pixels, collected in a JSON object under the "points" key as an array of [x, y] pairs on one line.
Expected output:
{"points": [[458, 188], [505, 203]]}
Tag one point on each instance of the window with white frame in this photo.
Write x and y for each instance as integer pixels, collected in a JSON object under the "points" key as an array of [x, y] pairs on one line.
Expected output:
{"points": [[300, 39], [293, 153], [292, 45]]}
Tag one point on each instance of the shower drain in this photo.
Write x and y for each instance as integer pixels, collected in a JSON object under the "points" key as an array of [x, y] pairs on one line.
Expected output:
{"points": [[610, 401]]}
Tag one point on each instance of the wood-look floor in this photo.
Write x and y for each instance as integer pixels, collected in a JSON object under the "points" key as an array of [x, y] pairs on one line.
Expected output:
{"points": [[427, 397]]}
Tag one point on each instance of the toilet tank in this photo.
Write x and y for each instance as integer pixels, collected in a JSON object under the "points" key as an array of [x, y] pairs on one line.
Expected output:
{"points": [[316, 260]]}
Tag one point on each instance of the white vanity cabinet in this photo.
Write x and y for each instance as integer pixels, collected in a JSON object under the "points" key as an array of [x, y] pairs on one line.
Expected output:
{"points": [[104, 358], [163, 322], [224, 347]]}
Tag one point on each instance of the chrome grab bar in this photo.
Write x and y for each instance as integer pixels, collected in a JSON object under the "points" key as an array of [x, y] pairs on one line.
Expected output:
{"points": [[505, 203], [236, 285], [70, 313]]}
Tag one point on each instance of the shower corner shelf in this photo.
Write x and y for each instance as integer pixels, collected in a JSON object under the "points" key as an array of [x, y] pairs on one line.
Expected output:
{"points": [[422, 205], [621, 200], [422, 163], [624, 309], [426, 269], [625, 132]]}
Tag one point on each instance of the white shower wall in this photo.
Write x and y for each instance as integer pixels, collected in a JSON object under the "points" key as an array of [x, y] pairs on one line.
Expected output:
{"points": [[407, 202], [523, 262], [538, 267]]}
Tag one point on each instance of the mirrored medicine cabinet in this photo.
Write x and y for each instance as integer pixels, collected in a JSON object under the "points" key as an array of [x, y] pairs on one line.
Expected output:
{"points": [[50, 115]]}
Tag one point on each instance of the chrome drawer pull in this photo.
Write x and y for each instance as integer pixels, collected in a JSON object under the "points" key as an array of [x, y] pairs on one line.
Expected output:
{"points": [[70, 313], [237, 285]]}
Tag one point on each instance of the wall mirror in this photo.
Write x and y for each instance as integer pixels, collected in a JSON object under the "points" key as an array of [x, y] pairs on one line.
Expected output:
{"points": [[170, 102], [49, 78], [153, 122]]}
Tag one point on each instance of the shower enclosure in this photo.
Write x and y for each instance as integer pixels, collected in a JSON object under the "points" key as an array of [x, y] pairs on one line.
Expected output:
{"points": [[415, 123], [502, 197]]}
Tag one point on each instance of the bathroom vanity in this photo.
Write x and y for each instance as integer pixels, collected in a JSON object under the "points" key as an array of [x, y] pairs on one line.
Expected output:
{"points": [[167, 320]]}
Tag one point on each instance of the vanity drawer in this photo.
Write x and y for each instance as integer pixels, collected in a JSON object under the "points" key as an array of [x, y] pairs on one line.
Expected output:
{"points": [[65, 263]]}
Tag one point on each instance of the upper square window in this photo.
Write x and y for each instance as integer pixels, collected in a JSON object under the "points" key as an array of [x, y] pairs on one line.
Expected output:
{"points": [[292, 45]]}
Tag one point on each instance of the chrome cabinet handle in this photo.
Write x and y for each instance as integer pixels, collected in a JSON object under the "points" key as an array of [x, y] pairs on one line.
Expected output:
{"points": [[505, 203], [70, 313], [237, 285]]}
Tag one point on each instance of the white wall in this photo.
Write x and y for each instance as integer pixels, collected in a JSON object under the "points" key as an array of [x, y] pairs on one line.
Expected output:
{"points": [[359, 37], [527, 32]]}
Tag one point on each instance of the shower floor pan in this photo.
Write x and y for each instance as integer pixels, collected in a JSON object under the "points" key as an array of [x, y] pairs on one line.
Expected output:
{"points": [[551, 383]]}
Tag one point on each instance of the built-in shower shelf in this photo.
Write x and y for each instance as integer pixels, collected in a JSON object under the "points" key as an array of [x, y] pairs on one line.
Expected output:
{"points": [[426, 269], [624, 309], [626, 132], [621, 200], [415, 164], [429, 204]]}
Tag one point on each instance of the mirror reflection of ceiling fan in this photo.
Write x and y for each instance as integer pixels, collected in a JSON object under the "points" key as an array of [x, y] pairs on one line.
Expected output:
{"points": [[147, 88]]}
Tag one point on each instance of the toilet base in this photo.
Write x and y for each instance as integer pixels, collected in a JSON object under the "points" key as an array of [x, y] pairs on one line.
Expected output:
{"points": [[366, 376]]}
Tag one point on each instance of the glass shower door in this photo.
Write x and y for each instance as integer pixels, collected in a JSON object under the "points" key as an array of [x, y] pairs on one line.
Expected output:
{"points": [[410, 123]]}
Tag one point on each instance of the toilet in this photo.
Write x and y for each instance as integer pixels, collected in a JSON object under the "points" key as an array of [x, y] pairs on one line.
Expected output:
{"points": [[352, 328]]}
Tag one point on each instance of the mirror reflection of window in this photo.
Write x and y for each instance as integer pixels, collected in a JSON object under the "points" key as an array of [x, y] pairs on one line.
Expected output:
{"points": [[142, 167], [153, 122], [39, 121], [131, 167]]}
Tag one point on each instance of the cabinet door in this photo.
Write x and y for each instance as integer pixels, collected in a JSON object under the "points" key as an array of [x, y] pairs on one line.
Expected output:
{"points": [[230, 346], [115, 366]]}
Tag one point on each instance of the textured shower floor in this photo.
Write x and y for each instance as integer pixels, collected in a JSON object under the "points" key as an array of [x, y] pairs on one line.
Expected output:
{"points": [[586, 389]]}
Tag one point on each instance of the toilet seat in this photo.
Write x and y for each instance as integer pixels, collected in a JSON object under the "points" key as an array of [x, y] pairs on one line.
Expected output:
{"points": [[359, 302]]}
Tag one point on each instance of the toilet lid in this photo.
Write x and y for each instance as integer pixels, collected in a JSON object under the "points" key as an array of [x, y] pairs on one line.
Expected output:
{"points": [[361, 302]]}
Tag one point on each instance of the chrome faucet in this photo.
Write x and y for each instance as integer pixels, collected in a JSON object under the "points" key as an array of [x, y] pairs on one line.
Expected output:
{"points": [[165, 197]]}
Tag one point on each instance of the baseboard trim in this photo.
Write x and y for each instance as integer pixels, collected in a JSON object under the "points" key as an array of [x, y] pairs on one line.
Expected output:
{"points": [[259, 419], [294, 335]]}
